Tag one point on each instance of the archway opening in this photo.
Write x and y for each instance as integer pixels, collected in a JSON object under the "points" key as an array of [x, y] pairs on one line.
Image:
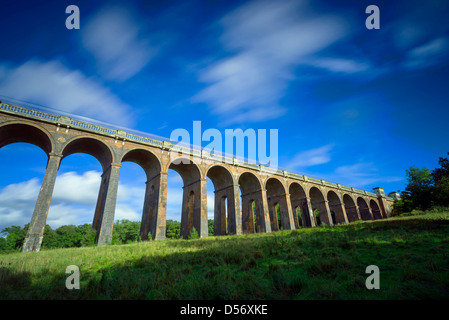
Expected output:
{"points": [[194, 205], [318, 206], [377, 214], [22, 170], [335, 206], [142, 177], [363, 209], [174, 204], [277, 205], [350, 208], [298, 199], [75, 200], [251, 203], [222, 200]]}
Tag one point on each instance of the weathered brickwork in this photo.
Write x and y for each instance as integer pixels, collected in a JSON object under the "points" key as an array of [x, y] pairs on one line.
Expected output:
{"points": [[248, 198]]}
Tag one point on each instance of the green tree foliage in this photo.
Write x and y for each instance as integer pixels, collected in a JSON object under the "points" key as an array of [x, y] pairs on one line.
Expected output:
{"points": [[210, 227], [13, 238], [441, 181], [173, 229], [193, 234], [425, 188], [419, 188], [126, 231]]}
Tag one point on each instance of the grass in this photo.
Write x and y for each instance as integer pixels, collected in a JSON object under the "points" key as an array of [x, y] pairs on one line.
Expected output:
{"points": [[412, 253]]}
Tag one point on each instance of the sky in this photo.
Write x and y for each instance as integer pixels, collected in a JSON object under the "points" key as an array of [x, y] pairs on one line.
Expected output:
{"points": [[352, 105]]}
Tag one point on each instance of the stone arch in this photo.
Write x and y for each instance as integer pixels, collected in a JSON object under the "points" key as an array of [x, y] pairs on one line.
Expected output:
{"points": [[17, 132], [253, 208], [12, 132], [92, 146], [153, 211], [105, 209], [298, 199], [278, 207], [351, 208], [377, 214], [227, 218], [364, 210], [194, 210], [188, 170], [336, 207], [146, 159], [318, 202], [220, 176]]}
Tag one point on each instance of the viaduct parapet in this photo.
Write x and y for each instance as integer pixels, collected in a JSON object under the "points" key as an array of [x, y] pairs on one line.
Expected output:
{"points": [[248, 197]]}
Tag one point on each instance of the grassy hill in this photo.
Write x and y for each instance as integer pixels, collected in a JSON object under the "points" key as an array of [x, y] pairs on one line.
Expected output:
{"points": [[412, 253]]}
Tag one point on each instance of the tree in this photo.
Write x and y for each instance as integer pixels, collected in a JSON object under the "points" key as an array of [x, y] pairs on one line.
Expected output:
{"points": [[50, 239], [419, 190], [443, 171], [87, 235], [14, 237], [126, 231], [173, 229], [193, 234], [442, 192], [210, 227]]}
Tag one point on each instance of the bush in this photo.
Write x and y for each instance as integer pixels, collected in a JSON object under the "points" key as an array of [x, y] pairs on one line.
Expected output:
{"points": [[193, 234]]}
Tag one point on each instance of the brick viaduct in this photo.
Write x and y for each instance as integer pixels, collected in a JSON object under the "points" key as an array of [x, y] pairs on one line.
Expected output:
{"points": [[266, 196]]}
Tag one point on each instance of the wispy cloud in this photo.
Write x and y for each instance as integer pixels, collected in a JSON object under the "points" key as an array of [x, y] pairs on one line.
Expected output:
{"points": [[54, 85], [428, 54], [270, 39], [311, 157], [115, 38], [340, 65], [359, 175]]}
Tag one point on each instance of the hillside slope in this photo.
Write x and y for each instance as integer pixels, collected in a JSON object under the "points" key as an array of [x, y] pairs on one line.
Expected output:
{"points": [[412, 254]]}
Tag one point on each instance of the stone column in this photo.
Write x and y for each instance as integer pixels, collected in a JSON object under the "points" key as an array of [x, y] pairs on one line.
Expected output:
{"points": [[311, 213], [107, 199], [328, 213], [263, 214], [370, 212], [34, 236], [359, 216], [194, 209], [155, 208], [234, 213], [290, 214], [220, 219], [200, 218], [342, 208]]}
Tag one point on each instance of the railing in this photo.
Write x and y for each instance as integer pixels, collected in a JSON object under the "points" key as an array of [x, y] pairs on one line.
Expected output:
{"points": [[192, 150]]}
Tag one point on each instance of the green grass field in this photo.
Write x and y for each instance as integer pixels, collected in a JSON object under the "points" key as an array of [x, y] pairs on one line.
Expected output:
{"points": [[412, 253]]}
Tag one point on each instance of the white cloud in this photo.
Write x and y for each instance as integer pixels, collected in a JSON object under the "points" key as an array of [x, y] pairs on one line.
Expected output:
{"points": [[311, 157], [340, 65], [114, 38], [17, 202], [428, 54], [74, 188], [359, 175], [270, 39], [55, 86]]}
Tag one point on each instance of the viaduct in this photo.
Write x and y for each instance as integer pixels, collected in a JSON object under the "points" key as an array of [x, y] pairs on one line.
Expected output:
{"points": [[267, 200]]}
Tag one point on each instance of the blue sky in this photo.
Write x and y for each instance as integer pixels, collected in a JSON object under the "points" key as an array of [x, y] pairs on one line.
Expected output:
{"points": [[351, 105]]}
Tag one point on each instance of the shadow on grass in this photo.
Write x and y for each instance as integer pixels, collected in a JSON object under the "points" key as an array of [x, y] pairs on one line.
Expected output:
{"points": [[321, 263]]}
